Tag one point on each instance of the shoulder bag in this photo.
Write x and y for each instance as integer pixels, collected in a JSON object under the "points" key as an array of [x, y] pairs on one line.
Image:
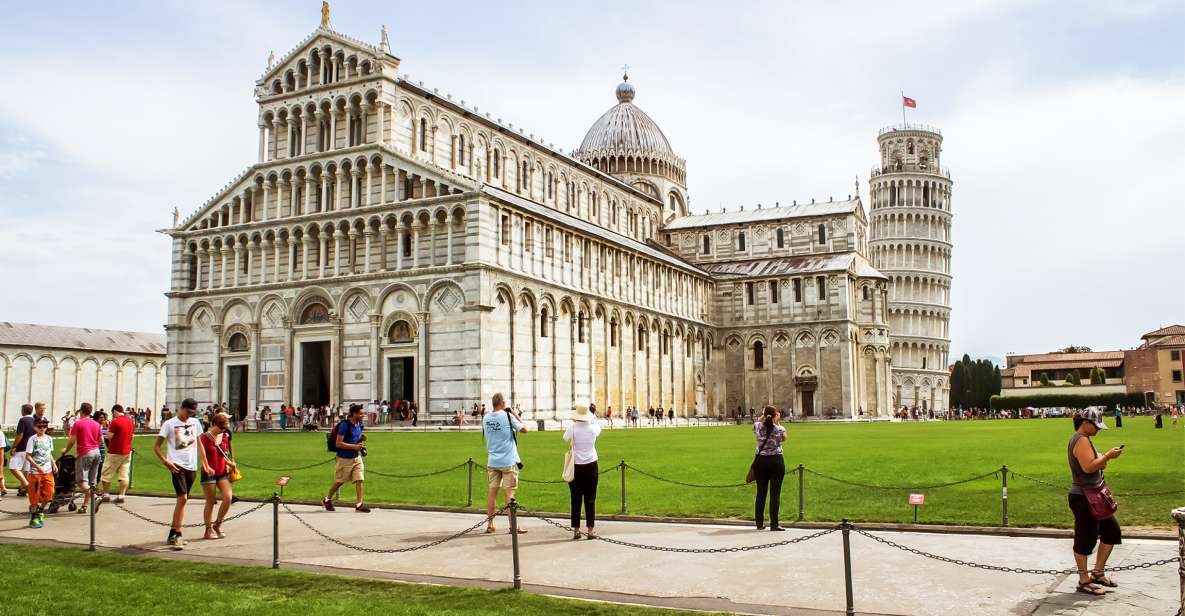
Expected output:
{"points": [[1102, 503], [569, 473], [750, 477]]}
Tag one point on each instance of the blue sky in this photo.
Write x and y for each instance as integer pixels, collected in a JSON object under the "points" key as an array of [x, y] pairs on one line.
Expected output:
{"points": [[1064, 126]]}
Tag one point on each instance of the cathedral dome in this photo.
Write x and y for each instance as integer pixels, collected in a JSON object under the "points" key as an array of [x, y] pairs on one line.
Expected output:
{"points": [[625, 130], [627, 142]]}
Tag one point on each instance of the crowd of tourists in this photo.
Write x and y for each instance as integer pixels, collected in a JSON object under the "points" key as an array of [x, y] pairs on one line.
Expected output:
{"points": [[196, 448]]}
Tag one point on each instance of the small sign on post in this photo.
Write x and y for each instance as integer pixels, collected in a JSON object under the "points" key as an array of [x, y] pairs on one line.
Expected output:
{"points": [[282, 481], [915, 500]]}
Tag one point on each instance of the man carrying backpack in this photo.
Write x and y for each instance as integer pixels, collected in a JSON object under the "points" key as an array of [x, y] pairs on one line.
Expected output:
{"points": [[346, 440]]}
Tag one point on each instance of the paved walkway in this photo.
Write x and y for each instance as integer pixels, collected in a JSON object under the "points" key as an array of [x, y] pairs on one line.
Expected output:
{"points": [[803, 579]]}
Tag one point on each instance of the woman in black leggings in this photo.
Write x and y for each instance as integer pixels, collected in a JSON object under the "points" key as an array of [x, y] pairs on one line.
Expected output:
{"points": [[583, 435], [768, 466]]}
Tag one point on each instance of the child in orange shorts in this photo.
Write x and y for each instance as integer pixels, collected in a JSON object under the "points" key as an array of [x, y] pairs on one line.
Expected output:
{"points": [[40, 468]]}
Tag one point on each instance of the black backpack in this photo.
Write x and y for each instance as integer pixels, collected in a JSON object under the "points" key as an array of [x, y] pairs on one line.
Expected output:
{"points": [[331, 438]]}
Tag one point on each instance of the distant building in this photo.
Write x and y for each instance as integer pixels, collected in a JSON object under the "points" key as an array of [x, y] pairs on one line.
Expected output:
{"points": [[1027, 375], [1154, 369], [1157, 366], [66, 366]]}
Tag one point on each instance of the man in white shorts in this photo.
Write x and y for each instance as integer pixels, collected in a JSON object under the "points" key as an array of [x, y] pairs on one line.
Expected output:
{"points": [[24, 432]]}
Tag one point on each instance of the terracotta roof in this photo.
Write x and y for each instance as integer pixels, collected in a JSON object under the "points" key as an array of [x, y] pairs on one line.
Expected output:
{"points": [[1055, 357], [82, 338], [1171, 330], [1166, 341]]}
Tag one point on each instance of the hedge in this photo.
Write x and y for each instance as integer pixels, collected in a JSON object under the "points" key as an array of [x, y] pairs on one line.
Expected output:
{"points": [[1074, 401]]}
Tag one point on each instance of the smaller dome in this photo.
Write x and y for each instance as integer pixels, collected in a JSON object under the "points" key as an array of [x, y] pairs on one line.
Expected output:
{"points": [[625, 90]]}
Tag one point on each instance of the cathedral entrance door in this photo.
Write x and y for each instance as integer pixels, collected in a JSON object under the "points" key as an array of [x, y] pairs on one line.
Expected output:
{"points": [[808, 403], [401, 379], [314, 373], [236, 390]]}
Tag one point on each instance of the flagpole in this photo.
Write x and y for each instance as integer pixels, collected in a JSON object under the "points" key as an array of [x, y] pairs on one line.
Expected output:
{"points": [[903, 120]]}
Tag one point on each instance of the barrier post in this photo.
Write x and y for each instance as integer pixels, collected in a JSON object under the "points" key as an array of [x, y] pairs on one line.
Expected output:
{"points": [[847, 567], [94, 505], [801, 504], [275, 531], [469, 497], [131, 468], [518, 578], [1179, 516], [1004, 492], [622, 467]]}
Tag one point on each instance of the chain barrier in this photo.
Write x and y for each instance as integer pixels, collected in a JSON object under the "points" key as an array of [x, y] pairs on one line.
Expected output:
{"points": [[236, 516], [1062, 487], [661, 548], [692, 485], [419, 475], [284, 470], [902, 488], [1002, 569], [359, 548], [542, 481]]}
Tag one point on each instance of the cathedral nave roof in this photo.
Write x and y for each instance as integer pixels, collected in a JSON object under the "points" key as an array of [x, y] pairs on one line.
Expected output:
{"points": [[768, 214], [795, 266]]}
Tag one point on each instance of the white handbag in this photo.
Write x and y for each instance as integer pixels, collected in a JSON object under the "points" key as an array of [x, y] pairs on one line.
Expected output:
{"points": [[569, 473]]}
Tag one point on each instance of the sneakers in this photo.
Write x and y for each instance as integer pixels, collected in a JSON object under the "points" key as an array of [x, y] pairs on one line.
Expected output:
{"points": [[38, 521], [327, 504], [118, 500], [361, 508], [106, 498], [82, 509], [177, 543]]}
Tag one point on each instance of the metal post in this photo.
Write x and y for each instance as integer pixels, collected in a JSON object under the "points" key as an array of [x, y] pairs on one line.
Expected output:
{"points": [[131, 469], [801, 502], [622, 467], [1004, 492], [518, 578], [1179, 516], [847, 567], [94, 504], [469, 498], [275, 531]]}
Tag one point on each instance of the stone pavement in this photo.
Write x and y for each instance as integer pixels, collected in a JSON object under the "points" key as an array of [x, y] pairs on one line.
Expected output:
{"points": [[804, 578]]}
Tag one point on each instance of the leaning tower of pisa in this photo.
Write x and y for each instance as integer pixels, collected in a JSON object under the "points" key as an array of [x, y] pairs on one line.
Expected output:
{"points": [[910, 243]]}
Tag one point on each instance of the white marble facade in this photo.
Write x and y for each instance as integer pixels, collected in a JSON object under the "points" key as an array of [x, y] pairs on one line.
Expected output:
{"points": [[392, 242]]}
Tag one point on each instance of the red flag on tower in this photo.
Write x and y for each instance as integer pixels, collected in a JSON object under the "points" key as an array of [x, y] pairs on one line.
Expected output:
{"points": [[909, 102]]}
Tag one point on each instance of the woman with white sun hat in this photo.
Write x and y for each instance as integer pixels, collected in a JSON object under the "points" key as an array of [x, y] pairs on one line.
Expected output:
{"points": [[581, 471]]}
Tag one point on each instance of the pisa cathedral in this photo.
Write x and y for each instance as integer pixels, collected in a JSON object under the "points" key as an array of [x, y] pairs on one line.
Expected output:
{"points": [[394, 243]]}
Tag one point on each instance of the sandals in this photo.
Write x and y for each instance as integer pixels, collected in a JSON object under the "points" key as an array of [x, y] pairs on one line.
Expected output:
{"points": [[1100, 578], [209, 534], [591, 535], [521, 531], [1090, 589], [490, 529], [217, 528], [575, 535]]}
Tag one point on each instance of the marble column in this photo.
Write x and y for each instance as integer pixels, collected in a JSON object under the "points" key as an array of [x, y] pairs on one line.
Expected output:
{"points": [[321, 258], [366, 257]]}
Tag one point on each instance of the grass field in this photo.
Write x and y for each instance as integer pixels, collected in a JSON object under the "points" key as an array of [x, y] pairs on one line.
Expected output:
{"points": [[103, 583], [898, 454]]}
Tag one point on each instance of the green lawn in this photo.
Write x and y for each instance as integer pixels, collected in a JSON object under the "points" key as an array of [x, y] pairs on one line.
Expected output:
{"points": [[900, 454], [102, 583]]}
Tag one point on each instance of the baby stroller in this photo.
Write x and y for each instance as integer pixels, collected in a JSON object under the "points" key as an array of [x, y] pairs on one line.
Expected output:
{"points": [[63, 489]]}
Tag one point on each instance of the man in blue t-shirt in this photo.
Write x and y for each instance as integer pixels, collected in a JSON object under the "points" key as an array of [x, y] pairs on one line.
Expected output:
{"points": [[502, 463], [350, 449]]}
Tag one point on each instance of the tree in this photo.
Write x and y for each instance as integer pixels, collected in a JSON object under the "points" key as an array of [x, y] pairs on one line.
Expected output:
{"points": [[1043, 378], [1074, 349], [1073, 379], [958, 377], [1098, 376]]}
